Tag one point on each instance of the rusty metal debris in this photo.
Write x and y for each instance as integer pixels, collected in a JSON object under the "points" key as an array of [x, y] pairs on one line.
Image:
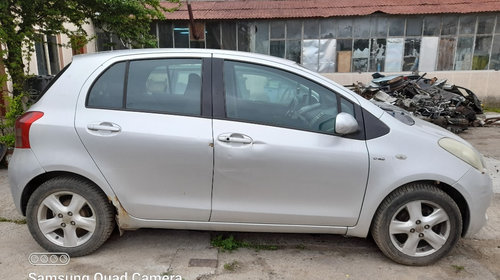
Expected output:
{"points": [[446, 105], [492, 121]]}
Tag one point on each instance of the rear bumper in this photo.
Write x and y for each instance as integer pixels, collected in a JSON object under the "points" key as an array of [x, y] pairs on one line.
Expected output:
{"points": [[479, 189], [23, 167]]}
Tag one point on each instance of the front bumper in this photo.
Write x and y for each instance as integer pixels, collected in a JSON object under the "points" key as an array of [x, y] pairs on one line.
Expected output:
{"points": [[478, 191], [23, 167]]}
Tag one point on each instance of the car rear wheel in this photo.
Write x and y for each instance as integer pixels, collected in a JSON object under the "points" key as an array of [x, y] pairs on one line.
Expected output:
{"points": [[417, 224], [71, 215]]}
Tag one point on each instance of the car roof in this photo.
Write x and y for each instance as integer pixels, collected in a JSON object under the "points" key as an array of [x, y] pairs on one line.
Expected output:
{"points": [[105, 55]]}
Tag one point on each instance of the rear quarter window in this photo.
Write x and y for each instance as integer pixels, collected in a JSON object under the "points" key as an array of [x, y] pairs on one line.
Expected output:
{"points": [[107, 90]]}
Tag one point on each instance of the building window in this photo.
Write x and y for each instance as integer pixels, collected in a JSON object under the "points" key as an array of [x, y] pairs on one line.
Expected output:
{"points": [[107, 42], [373, 43], [47, 55], [181, 35]]}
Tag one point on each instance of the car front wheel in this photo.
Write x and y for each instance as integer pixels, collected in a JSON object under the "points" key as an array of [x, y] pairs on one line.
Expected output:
{"points": [[417, 224], [70, 215]]}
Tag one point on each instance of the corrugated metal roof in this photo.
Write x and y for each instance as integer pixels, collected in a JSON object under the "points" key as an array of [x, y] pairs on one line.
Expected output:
{"points": [[265, 9]]}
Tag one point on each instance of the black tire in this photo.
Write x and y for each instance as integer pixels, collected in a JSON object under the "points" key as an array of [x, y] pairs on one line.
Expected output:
{"points": [[396, 232], [96, 214]]}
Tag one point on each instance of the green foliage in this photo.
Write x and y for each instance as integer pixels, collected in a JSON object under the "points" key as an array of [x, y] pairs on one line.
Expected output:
{"points": [[77, 42], [458, 268], [232, 266], [8, 139], [19, 222], [15, 109], [23, 21], [230, 244], [491, 109]]}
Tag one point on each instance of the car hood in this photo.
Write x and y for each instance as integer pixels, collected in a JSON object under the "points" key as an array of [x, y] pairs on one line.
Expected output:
{"points": [[435, 131]]}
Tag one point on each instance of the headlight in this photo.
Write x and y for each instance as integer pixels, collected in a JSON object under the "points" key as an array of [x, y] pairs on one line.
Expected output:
{"points": [[462, 152]]}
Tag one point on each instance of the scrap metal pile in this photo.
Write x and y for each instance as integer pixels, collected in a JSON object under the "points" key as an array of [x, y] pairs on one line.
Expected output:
{"points": [[446, 105]]}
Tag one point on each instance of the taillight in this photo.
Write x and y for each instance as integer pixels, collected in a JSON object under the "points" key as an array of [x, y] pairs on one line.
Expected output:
{"points": [[23, 124]]}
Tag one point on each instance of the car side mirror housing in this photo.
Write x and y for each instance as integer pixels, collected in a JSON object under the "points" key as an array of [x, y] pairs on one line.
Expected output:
{"points": [[345, 124]]}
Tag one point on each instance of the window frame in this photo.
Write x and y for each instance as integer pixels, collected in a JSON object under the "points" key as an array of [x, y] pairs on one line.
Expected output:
{"points": [[205, 94], [219, 100]]}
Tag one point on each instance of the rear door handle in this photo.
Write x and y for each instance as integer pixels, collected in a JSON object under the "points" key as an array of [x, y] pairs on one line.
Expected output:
{"points": [[235, 138], [104, 126]]}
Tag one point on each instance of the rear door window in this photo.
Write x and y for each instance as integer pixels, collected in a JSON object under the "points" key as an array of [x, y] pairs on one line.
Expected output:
{"points": [[161, 85], [165, 85]]}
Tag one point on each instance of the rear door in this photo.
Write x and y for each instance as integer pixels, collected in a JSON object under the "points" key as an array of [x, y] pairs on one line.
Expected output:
{"points": [[143, 123]]}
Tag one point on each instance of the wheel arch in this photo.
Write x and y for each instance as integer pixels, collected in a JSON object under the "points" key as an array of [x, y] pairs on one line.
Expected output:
{"points": [[44, 177], [457, 197]]}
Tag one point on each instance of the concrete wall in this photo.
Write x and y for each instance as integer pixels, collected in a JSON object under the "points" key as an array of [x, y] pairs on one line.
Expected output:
{"points": [[484, 83]]}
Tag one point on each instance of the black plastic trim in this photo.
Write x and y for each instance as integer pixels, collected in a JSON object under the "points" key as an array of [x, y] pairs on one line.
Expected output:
{"points": [[206, 87], [374, 127], [219, 108], [125, 85]]}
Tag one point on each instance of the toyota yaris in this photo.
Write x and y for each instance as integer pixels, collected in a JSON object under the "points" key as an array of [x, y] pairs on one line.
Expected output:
{"points": [[233, 141]]}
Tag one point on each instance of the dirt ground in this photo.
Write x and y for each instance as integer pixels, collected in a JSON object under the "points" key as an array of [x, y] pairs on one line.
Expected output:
{"points": [[148, 254]]}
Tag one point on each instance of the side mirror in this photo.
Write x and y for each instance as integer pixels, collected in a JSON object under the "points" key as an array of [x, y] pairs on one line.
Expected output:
{"points": [[345, 124]]}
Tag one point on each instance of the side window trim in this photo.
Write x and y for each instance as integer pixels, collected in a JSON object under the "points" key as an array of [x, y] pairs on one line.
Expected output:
{"points": [[219, 108], [218, 90], [125, 85], [206, 87]]}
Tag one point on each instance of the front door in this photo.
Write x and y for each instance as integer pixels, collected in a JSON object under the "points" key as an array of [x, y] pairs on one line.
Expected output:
{"points": [[277, 159]]}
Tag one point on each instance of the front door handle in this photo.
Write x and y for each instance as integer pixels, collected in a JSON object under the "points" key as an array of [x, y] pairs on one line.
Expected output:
{"points": [[104, 126], [235, 138]]}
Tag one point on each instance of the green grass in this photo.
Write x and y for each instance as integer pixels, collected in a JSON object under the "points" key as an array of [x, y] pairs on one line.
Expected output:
{"points": [[19, 222], [491, 109], [458, 268], [301, 247], [232, 266], [230, 244]]}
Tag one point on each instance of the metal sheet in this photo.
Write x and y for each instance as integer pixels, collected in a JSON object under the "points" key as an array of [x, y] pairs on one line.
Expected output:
{"points": [[428, 53], [394, 58], [310, 54], [446, 53], [327, 55]]}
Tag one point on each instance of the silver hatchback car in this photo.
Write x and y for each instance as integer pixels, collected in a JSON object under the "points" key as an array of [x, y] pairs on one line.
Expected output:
{"points": [[233, 141]]}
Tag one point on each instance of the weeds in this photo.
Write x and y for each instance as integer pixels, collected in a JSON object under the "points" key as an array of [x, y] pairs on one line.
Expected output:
{"points": [[458, 268], [491, 109], [232, 266], [19, 221], [300, 247], [230, 244]]}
